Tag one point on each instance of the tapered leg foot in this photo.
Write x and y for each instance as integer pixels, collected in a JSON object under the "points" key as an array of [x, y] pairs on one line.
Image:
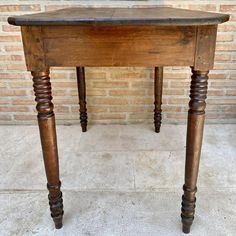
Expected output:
{"points": [[82, 97], [83, 121], [157, 121], [158, 84], [188, 208], [186, 229], [56, 204]]}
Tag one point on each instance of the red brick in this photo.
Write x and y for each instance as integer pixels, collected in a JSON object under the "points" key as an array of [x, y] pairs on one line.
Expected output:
{"points": [[110, 101], [64, 84], [174, 91], [220, 116], [222, 57], [231, 93], [128, 92], [180, 84], [24, 102], [225, 66], [223, 84], [226, 27], [127, 109], [25, 117], [212, 92], [177, 100], [227, 7], [111, 84], [55, 7], [175, 75], [108, 116], [129, 75], [94, 75], [16, 67], [141, 100], [13, 109], [19, 7], [61, 109], [4, 101], [234, 57], [12, 92], [142, 84], [13, 48], [58, 92], [177, 116], [226, 47], [96, 109], [11, 58], [10, 28], [219, 101], [202, 7], [5, 117], [224, 37], [171, 108], [10, 38], [217, 76], [232, 17], [13, 76]]}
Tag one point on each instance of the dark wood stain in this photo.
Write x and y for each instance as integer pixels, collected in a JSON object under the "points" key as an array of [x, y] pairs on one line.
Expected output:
{"points": [[158, 85], [154, 37], [120, 16], [80, 72]]}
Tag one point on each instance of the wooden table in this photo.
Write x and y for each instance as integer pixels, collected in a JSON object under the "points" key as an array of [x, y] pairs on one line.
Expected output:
{"points": [[157, 37]]}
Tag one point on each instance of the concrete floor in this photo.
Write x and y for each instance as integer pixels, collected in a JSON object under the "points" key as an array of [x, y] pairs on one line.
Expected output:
{"points": [[117, 180]]}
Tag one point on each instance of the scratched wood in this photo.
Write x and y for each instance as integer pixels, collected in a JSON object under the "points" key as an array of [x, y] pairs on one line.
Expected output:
{"points": [[33, 47], [129, 37], [119, 46], [205, 47], [120, 16]]}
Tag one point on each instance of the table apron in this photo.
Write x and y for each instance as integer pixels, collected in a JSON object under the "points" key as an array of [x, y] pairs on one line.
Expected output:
{"points": [[46, 46]]}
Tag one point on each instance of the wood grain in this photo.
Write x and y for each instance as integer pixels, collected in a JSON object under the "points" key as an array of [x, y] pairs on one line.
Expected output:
{"points": [[33, 47], [122, 37], [158, 85], [196, 117], [205, 47], [81, 84], [120, 16], [47, 129], [119, 46]]}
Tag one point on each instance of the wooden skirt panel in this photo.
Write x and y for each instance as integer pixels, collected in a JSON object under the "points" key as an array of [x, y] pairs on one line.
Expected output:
{"points": [[118, 46], [112, 46]]}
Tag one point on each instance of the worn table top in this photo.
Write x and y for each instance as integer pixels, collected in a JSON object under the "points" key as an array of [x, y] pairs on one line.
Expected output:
{"points": [[120, 16]]}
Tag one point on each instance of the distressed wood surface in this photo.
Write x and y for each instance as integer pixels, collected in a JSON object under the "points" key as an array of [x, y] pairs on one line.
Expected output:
{"points": [[113, 46], [205, 47], [188, 39], [195, 126], [32, 38], [47, 129], [81, 84], [158, 85], [120, 16]]}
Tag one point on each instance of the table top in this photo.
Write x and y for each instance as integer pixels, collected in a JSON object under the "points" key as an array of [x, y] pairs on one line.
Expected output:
{"points": [[120, 16]]}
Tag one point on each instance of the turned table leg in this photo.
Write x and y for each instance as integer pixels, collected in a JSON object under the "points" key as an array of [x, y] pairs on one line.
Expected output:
{"points": [[82, 97], [158, 84], [196, 116], [46, 122]]}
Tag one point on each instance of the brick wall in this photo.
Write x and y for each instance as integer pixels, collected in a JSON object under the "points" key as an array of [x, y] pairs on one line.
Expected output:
{"points": [[115, 95]]}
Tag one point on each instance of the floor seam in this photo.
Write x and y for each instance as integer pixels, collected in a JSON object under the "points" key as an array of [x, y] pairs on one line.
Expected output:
{"points": [[118, 191]]}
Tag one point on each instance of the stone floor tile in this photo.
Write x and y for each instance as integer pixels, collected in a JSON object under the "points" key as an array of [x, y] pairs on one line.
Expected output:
{"points": [[98, 170], [116, 213], [158, 170]]}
